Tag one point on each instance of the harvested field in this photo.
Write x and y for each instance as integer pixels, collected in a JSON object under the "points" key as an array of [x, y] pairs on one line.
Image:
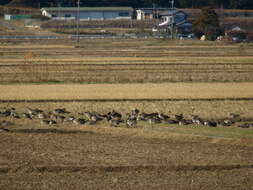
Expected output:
{"points": [[111, 158], [127, 91], [38, 153], [123, 73], [100, 156], [125, 60]]}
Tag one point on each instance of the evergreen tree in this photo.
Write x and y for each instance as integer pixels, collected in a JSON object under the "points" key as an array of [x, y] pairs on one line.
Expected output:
{"points": [[232, 4], [207, 24]]}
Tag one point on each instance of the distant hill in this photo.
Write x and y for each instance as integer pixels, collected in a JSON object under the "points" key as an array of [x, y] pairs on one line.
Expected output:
{"points": [[226, 4], [22, 3]]}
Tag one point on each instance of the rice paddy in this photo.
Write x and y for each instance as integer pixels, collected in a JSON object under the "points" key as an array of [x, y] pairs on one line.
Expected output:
{"points": [[206, 79]]}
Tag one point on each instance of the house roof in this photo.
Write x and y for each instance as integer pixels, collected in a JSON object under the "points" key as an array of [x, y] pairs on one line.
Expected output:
{"points": [[171, 12], [184, 23], [236, 28], [88, 8]]}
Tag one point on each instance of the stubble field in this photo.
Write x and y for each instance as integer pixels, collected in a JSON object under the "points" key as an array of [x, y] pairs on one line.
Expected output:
{"points": [[208, 79], [125, 61]]}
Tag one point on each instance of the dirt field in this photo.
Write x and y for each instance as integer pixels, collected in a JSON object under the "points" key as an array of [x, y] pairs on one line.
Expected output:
{"points": [[105, 158], [147, 156]]}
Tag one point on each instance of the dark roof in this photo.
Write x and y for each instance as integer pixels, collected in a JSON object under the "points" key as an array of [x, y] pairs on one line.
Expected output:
{"points": [[88, 8], [171, 12]]}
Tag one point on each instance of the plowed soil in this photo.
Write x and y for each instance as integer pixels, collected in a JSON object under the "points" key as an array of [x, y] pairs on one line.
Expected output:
{"points": [[35, 157]]}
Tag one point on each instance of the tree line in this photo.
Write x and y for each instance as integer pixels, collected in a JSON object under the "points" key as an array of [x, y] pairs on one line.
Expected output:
{"points": [[227, 4]]}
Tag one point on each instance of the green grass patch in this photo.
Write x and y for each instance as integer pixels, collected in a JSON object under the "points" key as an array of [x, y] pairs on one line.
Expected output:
{"points": [[216, 132]]}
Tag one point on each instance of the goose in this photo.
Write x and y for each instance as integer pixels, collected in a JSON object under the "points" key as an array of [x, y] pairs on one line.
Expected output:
{"points": [[87, 114], [142, 117], [114, 115], [114, 122], [52, 122], [185, 122], [45, 122], [145, 116], [61, 111], [48, 122], [135, 112], [15, 115], [90, 122], [245, 125], [152, 121], [4, 130], [131, 122], [196, 120], [227, 123], [79, 121], [171, 121], [210, 123], [163, 117], [70, 118], [6, 113], [34, 111], [96, 118], [179, 117], [27, 115], [42, 116]]}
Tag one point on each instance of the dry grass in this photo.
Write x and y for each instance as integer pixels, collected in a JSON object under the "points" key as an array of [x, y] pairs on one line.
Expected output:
{"points": [[127, 91], [65, 59], [125, 73], [130, 60]]}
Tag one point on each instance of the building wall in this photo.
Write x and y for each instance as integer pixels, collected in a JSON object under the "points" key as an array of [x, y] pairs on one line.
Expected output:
{"points": [[89, 15], [142, 15]]}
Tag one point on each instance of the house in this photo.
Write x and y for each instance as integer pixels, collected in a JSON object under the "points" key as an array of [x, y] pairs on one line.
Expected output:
{"points": [[88, 13], [177, 19], [148, 13], [16, 17], [178, 16], [143, 14], [236, 34]]}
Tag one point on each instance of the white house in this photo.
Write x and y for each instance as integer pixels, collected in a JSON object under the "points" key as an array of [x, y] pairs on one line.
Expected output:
{"points": [[88, 13], [148, 13], [176, 18], [143, 14]]}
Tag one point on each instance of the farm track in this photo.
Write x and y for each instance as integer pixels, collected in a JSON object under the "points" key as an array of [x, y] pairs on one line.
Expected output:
{"points": [[127, 100], [125, 169]]}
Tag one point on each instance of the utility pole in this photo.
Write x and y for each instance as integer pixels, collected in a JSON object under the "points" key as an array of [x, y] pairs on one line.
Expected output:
{"points": [[172, 19], [78, 20]]}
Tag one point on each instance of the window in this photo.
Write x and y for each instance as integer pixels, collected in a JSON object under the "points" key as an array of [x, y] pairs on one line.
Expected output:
{"points": [[124, 14], [67, 15], [53, 15]]}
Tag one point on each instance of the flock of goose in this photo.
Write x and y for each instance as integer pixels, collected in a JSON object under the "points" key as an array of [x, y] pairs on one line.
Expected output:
{"points": [[115, 119]]}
